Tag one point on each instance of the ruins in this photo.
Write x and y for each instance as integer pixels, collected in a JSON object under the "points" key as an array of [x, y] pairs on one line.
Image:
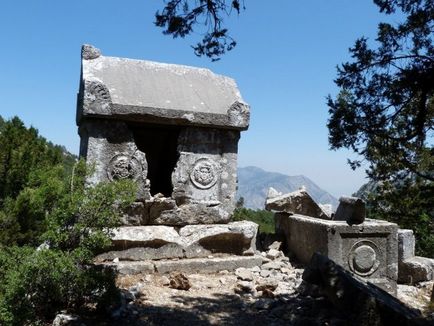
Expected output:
{"points": [[174, 130]]}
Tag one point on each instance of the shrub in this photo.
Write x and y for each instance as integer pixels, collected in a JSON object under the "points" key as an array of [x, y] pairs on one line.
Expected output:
{"points": [[264, 218], [36, 284]]}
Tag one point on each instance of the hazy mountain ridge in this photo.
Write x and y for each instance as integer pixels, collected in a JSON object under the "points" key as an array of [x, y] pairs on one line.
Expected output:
{"points": [[253, 184]]}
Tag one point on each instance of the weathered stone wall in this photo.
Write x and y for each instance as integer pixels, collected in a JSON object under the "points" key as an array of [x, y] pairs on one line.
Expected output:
{"points": [[109, 149]]}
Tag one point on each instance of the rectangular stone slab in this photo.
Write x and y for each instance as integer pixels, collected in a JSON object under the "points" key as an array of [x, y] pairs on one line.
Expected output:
{"points": [[137, 243]]}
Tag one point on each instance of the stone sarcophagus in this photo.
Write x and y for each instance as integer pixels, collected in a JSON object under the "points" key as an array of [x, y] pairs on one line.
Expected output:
{"points": [[368, 250], [173, 129]]}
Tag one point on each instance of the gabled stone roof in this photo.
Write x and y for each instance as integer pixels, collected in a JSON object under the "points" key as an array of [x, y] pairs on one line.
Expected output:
{"points": [[155, 92]]}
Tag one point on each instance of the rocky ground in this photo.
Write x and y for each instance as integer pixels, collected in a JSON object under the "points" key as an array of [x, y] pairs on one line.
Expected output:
{"points": [[272, 294]]}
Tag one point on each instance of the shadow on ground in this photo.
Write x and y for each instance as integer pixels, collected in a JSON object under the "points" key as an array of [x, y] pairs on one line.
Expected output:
{"points": [[231, 309]]}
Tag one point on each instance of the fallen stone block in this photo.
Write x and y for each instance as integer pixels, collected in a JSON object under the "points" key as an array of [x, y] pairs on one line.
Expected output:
{"points": [[365, 303], [350, 209], [297, 202], [415, 270], [369, 250]]}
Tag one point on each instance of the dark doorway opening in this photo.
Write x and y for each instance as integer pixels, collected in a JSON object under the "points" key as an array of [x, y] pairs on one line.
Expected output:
{"points": [[159, 143]]}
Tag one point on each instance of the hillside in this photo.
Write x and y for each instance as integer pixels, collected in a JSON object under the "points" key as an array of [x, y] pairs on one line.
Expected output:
{"points": [[253, 184]]}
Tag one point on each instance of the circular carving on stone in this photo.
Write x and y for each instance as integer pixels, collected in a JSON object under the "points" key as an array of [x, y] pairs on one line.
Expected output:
{"points": [[123, 166], [204, 173], [363, 258]]}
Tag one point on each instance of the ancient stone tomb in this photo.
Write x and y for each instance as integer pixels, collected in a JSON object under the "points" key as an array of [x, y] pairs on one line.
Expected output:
{"points": [[173, 129]]}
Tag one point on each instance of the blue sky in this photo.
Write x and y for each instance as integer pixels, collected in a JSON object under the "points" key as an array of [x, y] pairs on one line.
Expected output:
{"points": [[284, 64]]}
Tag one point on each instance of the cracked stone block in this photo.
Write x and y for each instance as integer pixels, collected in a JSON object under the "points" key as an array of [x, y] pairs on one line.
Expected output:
{"points": [[159, 242], [296, 202], [368, 250]]}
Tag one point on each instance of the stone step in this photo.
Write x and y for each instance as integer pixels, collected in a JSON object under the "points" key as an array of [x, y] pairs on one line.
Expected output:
{"points": [[192, 265]]}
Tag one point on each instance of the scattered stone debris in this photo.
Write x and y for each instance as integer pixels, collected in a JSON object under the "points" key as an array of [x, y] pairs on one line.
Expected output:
{"points": [[179, 281], [276, 295]]}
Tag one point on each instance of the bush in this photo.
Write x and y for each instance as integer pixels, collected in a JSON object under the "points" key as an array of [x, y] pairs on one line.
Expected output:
{"points": [[265, 219], [36, 284]]}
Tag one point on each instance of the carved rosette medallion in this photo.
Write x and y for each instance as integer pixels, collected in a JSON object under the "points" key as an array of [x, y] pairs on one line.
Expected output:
{"points": [[204, 174], [97, 97], [363, 258], [123, 166]]}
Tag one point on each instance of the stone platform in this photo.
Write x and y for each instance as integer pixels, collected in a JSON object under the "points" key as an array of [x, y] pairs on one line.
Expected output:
{"points": [[192, 265], [369, 250], [140, 243]]}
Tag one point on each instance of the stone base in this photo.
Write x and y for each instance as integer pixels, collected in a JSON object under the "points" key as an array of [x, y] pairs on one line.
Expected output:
{"points": [[369, 250], [193, 265], [139, 243]]}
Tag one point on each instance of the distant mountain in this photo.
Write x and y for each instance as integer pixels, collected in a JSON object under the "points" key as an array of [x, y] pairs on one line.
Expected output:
{"points": [[253, 184]]}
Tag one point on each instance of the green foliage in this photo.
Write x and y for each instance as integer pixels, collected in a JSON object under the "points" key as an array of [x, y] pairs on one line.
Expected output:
{"points": [[82, 219], [385, 110], [385, 113], [46, 199], [264, 219], [24, 218], [179, 17], [37, 284], [410, 204], [22, 150], [33, 177]]}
